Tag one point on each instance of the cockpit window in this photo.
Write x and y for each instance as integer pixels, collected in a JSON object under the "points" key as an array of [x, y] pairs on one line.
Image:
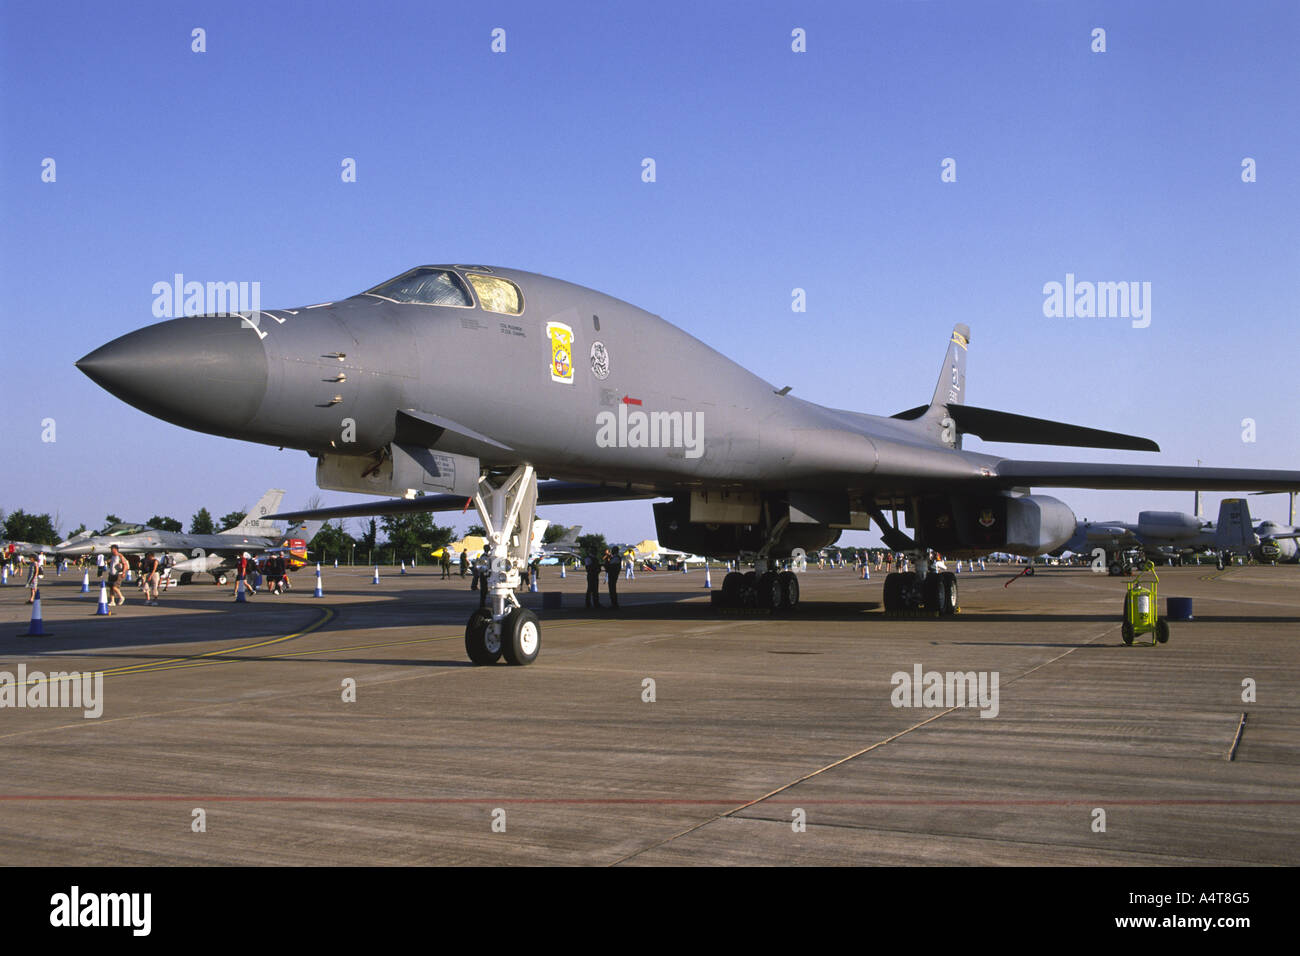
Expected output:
{"points": [[118, 530], [497, 295], [425, 286]]}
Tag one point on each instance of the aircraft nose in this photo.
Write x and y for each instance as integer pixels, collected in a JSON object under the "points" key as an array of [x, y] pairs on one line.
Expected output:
{"points": [[202, 372]]}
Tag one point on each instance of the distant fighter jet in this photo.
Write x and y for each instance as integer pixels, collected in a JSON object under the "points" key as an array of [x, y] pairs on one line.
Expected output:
{"points": [[468, 382], [213, 554]]}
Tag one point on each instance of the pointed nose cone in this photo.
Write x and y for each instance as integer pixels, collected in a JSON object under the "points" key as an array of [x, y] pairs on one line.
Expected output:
{"points": [[208, 373]]}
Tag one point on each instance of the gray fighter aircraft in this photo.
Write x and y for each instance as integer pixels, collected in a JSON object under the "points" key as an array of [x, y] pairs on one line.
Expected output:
{"points": [[467, 382], [213, 554]]}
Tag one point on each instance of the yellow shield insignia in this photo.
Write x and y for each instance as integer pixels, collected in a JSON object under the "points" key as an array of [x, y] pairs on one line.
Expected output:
{"points": [[561, 337]]}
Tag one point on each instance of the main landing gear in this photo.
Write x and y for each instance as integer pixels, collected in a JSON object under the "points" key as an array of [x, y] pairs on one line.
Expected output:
{"points": [[504, 628], [763, 588], [922, 589]]}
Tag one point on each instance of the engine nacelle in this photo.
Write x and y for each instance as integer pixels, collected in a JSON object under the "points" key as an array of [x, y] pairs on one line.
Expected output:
{"points": [[1028, 525], [1037, 524], [1167, 525], [676, 531]]}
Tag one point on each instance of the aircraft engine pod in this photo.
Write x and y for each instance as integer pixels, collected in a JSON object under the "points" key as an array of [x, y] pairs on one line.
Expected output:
{"points": [[1025, 525], [676, 531]]}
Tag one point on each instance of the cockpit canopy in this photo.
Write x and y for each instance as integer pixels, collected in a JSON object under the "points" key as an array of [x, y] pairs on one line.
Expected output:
{"points": [[432, 285], [120, 530]]}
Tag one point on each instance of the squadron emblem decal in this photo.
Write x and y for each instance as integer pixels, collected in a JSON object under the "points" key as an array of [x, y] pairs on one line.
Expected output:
{"points": [[561, 337], [986, 518], [599, 360]]}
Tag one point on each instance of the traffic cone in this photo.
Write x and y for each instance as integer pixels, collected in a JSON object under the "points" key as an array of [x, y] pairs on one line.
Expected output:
{"points": [[708, 581], [103, 599], [318, 592], [376, 580], [128, 574], [4, 574], [403, 567], [866, 573], [336, 562], [239, 592], [85, 582], [683, 566], [36, 628], [562, 567]]}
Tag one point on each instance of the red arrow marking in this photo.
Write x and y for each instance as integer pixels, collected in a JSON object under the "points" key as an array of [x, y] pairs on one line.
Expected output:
{"points": [[631, 401]]}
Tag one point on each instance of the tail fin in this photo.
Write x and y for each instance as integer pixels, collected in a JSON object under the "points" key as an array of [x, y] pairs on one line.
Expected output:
{"points": [[949, 390], [1234, 532], [255, 522]]}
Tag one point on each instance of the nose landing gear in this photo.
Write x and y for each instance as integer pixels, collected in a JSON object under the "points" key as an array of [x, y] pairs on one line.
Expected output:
{"points": [[505, 628]]}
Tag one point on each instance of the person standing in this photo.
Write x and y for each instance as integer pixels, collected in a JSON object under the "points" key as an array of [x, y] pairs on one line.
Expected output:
{"points": [[464, 562], [241, 574], [116, 571], [445, 563], [149, 575], [33, 580], [612, 570], [592, 566]]}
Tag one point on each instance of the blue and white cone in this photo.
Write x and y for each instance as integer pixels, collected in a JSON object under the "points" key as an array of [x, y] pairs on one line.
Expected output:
{"points": [[866, 573], [708, 580], [36, 628], [85, 582], [683, 566], [403, 567], [318, 592], [562, 567], [336, 562], [103, 599], [4, 574], [239, 592], [376, 580], [128, 574]]}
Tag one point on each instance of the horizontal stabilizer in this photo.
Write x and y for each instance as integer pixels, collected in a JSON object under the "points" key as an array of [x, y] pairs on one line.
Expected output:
{"points": [[548, 493], [1005, 426]]}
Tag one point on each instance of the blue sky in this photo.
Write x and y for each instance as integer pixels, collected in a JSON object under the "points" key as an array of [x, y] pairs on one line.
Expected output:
{"points": [[775, 170]]}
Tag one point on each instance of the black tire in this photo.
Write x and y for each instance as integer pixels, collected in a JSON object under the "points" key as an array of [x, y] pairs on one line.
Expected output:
{"points": [[789, 590], [893, 592], [1126, 632], [749, 589], [477, 639], [947, 594], [930, 591], [521, 637], [769, 591], [732, 587], [1162, 631], [1115, 569]]}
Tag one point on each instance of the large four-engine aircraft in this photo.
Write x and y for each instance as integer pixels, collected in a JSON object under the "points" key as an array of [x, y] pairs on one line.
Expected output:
{"points": [[468, 382]]}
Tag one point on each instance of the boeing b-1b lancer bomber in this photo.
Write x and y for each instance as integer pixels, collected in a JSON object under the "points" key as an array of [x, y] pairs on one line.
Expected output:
{"points": [[468, 382]]}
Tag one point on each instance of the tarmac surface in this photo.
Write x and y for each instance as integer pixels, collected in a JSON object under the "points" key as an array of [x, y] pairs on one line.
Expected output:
{"points": [[757, 724]]}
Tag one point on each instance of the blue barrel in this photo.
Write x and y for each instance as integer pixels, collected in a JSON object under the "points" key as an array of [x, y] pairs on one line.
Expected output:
{"points": [[1178, 609]]}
